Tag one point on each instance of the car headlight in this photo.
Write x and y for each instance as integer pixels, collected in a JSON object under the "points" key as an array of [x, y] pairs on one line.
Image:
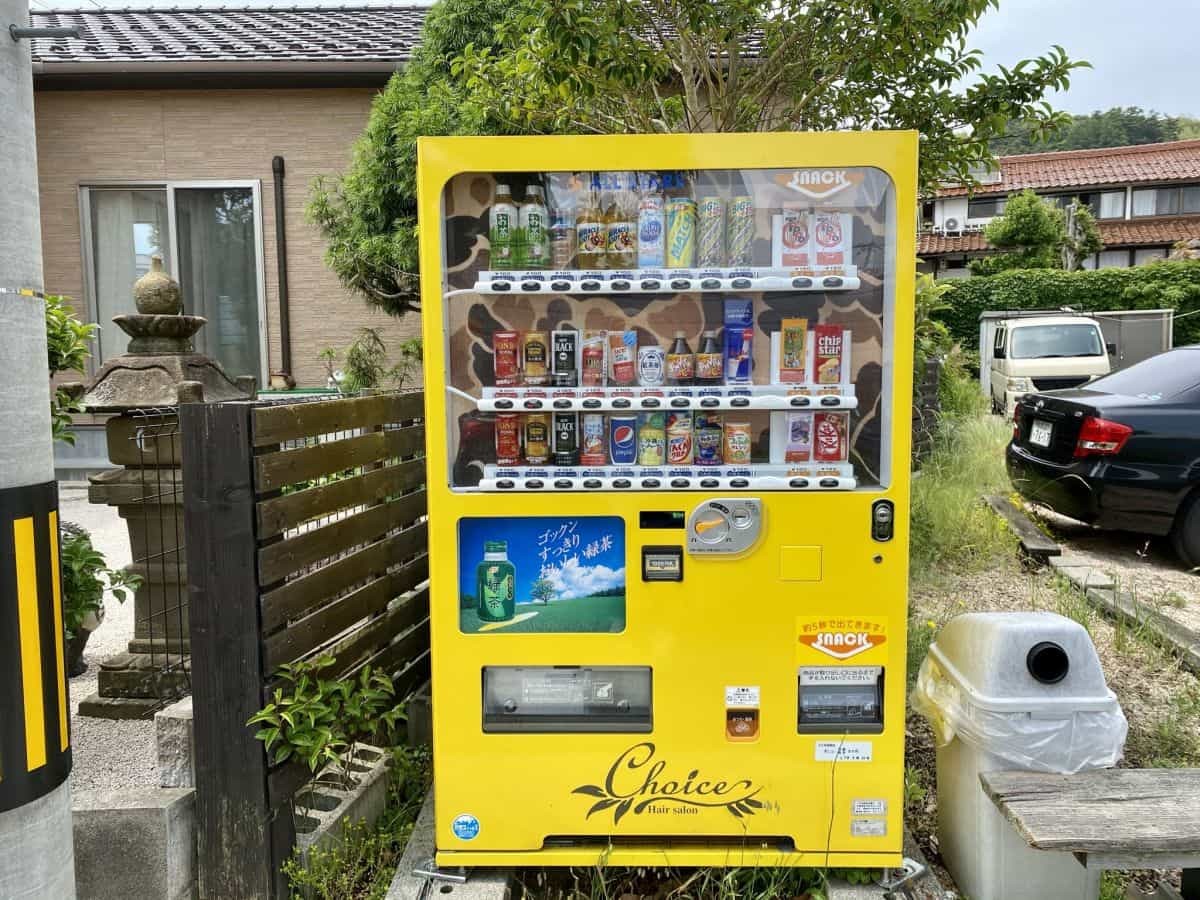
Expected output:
{"points": [[1018, 384]]}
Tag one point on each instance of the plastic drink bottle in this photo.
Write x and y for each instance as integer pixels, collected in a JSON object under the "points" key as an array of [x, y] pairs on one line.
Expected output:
{"points": [[502, 227]]}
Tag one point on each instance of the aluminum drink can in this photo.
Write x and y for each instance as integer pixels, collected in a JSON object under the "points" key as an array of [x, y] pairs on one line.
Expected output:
{"points": [[592, 440], [622, 440], [737, 444], [566, 438], [710, 240], [508, 439], [650, 230], [681, 233], [537, 438], [652, 439], [652, 364], [739, 244], [679, 439], [708, 440]]}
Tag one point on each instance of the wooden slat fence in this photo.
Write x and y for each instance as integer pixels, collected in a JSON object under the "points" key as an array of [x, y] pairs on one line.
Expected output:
{"points": [[307, 533]]}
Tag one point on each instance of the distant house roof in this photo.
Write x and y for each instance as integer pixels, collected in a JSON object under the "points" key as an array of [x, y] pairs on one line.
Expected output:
{"points": [[1147, 163], [1121, 233], [221, 39]]}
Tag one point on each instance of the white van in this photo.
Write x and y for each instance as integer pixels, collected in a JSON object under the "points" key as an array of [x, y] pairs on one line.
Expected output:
{"points": [[1044, 353]]}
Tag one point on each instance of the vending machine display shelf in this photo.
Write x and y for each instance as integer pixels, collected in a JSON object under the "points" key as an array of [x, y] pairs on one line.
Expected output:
{"points": [[733, 398], [760, 477], [668, 281]]}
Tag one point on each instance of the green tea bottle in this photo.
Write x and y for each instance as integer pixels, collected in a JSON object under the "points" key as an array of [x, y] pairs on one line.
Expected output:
{"points": [[495, 580]]}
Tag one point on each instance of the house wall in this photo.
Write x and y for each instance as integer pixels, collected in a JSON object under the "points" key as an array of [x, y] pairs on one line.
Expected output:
{"points": [[86, 137]]}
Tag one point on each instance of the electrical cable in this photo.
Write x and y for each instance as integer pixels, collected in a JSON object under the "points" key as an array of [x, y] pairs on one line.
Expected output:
{"points": [[833, 796]]}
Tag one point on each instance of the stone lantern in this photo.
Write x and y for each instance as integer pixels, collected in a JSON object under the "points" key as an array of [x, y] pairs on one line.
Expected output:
{"points": [[143, 388]]}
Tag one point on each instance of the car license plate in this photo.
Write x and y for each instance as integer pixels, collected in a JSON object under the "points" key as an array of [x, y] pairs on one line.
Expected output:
{"points": [[1039, 433]]}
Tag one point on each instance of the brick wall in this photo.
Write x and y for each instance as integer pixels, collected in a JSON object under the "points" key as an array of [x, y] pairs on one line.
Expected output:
{"points": [[92, 136]]}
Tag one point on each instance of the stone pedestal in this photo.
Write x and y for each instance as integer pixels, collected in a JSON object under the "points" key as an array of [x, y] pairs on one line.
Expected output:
{"points": [[144, 387]]}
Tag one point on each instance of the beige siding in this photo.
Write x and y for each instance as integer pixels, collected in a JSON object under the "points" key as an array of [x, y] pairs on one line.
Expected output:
{"points": [[86, 137]]}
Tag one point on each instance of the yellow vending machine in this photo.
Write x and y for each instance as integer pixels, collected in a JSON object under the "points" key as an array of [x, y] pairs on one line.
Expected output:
{"points": [[668, 385]]}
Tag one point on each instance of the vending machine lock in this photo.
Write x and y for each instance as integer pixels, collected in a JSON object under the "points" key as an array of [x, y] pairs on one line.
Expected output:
{"points": [[883, 517]]}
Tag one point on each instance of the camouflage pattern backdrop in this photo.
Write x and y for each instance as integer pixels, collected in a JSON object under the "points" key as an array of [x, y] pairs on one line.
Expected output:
{"points": [[472, 319]]}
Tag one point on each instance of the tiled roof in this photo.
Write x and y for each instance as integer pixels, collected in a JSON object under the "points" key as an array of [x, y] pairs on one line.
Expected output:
{"points": [[220, 35], [1150, 231], [1147, 163], [1123, 233]]}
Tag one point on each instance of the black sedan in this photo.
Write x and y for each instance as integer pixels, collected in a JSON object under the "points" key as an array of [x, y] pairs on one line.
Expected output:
{"points": [[1123, 452]]}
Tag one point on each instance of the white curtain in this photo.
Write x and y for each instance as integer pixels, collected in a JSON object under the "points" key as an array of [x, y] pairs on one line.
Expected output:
{"points": [[128, 227], [1112, 205]]}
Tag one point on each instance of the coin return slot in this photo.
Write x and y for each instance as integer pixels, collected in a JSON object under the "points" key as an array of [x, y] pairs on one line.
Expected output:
{"points": [[741, 724]]}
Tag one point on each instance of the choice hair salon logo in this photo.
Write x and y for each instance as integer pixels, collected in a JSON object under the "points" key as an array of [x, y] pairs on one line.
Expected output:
{"points": [[638, 782], [819, 183]]}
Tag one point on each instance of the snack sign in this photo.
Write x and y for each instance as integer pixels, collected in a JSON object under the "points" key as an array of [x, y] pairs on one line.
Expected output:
{"points": [[839, 637], [818, 184]]}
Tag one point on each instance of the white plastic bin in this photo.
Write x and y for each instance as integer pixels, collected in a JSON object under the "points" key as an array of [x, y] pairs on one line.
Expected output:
{"points": [[1013, 692]]}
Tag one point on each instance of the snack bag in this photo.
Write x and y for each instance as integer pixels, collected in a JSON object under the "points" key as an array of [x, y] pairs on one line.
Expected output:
{"points": [[829, 357], [793, 348]]}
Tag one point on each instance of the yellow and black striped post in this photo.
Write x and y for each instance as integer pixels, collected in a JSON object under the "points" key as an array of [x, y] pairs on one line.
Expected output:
{"points": [[35, 740]]}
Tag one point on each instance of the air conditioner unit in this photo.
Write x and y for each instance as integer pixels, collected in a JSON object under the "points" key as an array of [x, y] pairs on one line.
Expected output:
{"points": [[951, 225]]}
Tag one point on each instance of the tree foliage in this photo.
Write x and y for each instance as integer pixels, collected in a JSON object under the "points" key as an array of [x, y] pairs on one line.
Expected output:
{"points": [[67, 341], [368, 215], [1034, 234], [1157, 285], [577, 66], [1115, 127]]}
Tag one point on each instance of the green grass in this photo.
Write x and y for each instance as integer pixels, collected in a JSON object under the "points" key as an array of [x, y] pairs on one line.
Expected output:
{"points": [[591, 614], [953, 530], [735, 883]]}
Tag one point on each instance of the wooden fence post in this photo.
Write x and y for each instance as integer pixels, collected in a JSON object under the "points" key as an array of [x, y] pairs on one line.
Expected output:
{"points": [[241, 841]]}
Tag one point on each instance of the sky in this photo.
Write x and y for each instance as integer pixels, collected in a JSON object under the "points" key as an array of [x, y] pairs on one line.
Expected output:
{"points": [[1143, 53]]}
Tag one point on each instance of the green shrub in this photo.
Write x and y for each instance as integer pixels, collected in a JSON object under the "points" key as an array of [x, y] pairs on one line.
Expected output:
{"points": [[67, 351], [86, 576], [1169, 284], [952, 528]]}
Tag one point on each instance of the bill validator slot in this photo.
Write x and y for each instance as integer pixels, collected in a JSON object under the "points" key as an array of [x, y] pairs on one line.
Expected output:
{"points": [[662, 563]]}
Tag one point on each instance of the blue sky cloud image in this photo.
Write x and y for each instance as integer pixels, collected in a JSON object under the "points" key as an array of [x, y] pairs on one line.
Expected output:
{"points": [[579, 555]]}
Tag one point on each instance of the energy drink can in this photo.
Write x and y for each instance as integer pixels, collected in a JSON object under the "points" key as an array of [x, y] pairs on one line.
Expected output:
{"points": [[592, 450], [739, 243], [711, 233], [680, 451], [652, 439], [622, 440]]}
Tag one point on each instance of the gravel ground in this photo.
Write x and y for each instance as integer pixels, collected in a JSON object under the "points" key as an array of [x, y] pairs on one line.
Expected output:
{"points": [[1140, 564], [107, 753]]}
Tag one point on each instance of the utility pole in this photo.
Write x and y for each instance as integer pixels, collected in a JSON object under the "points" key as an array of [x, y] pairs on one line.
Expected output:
{"points": [[36, 850]]}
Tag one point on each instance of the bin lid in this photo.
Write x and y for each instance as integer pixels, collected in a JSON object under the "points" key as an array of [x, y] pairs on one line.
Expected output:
{"points": [[1036, 662]]}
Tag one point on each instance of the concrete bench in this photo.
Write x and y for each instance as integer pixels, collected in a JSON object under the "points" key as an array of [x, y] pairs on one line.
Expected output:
{"points": [[1109, 819]]}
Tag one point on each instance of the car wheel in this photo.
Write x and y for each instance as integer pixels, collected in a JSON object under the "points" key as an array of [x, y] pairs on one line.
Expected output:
{"points": [[997, 408], [1186, 533]]}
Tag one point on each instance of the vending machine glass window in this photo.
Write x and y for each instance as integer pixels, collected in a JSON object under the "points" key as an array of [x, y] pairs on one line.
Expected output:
{"points": [[668, 330]]}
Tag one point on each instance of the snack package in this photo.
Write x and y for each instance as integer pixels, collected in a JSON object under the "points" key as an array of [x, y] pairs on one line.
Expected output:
{"points": [[799, 446], [506, 348], [830, 437], [829, 355], [790, 239], [832, 239], [794, 351]]}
